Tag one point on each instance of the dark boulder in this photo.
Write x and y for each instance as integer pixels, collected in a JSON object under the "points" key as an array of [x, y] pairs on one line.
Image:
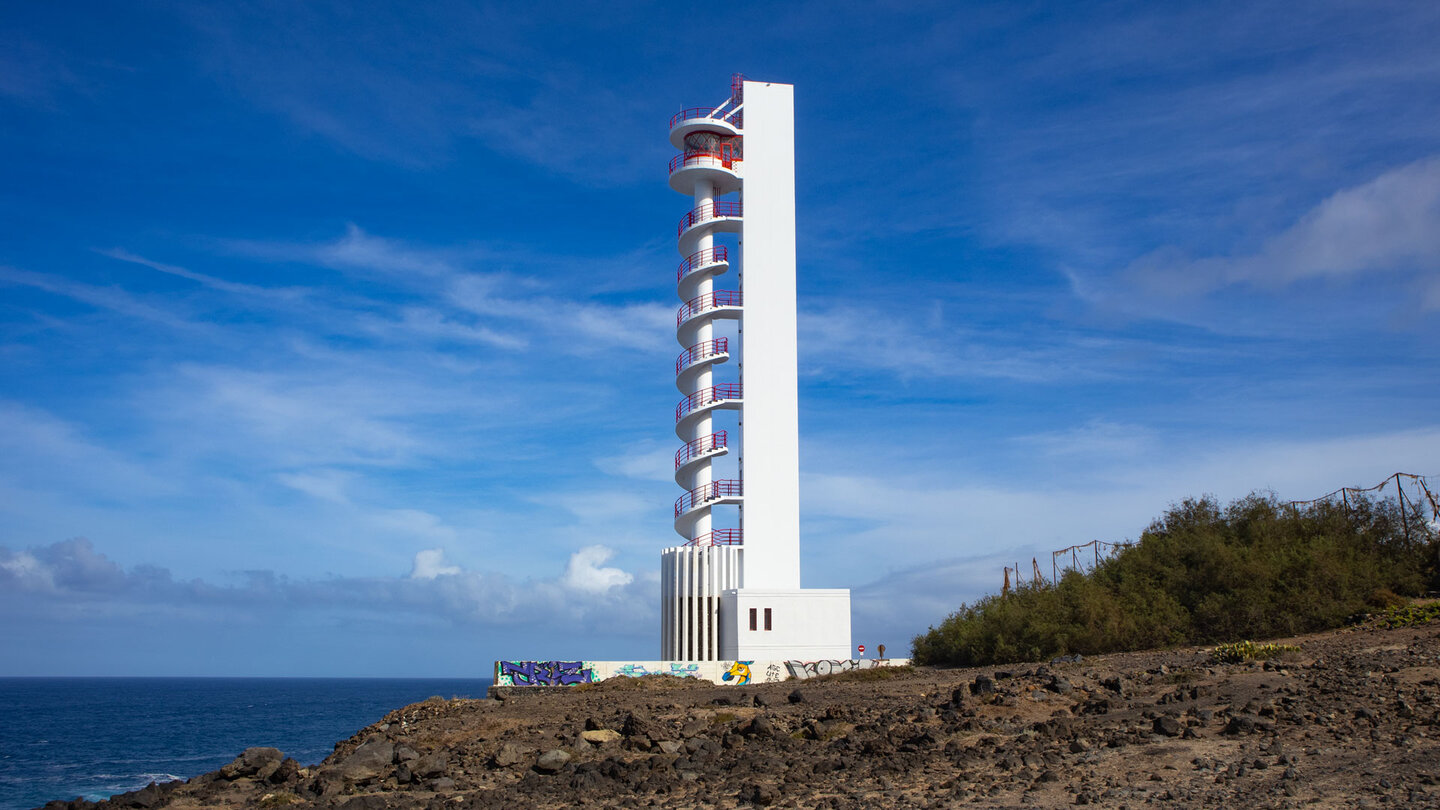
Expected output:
{"points": [[1167, 726], [551, 761], [430, 766], [251, 761], [371, 760], [759, 727]]}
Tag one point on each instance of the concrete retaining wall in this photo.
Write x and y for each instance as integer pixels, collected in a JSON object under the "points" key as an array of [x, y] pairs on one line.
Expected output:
{"points": [[728, 673]]}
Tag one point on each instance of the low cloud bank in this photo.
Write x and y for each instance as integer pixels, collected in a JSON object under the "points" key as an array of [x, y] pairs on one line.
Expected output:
{"points": [[72, 579]]}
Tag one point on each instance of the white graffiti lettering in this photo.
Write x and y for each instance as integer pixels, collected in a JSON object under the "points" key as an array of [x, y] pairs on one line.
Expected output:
{"points": [[802, 670]]}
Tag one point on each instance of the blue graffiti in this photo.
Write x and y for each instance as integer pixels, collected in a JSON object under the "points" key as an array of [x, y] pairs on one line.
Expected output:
{"points": [[546, 673]]}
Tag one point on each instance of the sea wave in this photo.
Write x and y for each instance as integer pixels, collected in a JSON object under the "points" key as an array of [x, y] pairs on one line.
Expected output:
{"points": [[160, 778]]}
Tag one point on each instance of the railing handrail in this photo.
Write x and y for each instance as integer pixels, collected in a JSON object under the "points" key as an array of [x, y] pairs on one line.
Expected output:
{"points": [[708, 211], [703, 494], [700, 258], [727, 156], [707, 396], [718, 537], [708, 301], [700, 351], [712, 113], [704, 444]]}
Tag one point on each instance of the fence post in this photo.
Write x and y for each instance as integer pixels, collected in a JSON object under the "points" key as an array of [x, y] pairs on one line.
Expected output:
{"points": [[1400, 492]]}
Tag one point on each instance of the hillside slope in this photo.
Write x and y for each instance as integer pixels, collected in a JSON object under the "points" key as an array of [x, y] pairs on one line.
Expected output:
{"points": [[1352, 719]]}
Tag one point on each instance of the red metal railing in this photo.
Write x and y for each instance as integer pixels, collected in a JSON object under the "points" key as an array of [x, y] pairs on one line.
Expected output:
{"points": [[737, 95], [705, 112], [706, 212], [701, 258], [727, 155], [710, 300], [700, 351], [705, 493], [707, 396], [700, 446], [719, 537]]}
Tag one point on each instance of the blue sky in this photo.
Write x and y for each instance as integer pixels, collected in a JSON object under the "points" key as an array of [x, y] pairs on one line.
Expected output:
{"points": [[337, 339]]}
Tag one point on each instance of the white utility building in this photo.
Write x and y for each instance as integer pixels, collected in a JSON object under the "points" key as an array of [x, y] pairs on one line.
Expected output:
{"points": [[733, 593]]}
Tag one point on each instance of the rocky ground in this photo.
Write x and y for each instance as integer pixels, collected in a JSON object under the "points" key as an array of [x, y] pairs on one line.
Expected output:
{"points": [[1351, 720]]}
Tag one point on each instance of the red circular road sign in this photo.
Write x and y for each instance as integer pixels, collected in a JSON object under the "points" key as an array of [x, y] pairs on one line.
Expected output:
{"points": [[862, 648]]}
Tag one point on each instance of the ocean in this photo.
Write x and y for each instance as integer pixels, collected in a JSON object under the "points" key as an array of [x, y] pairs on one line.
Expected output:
{"points": [[95, 737]]}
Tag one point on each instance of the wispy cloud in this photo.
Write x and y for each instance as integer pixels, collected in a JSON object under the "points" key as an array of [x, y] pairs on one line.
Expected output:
{"points": [[433, 324], [648, 461], [592, 327], [844, 340], [327, 485], [468, 299], [293, 419], [359, 250], [1096, 439], [1390, 224], [284, 293], [112, 299], [43, 451]]}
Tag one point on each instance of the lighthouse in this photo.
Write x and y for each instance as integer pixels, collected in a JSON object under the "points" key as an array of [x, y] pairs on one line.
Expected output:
{"points": [[731, 589]]}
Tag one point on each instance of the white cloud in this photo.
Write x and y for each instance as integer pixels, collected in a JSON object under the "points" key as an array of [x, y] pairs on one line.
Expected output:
{"points": [[71, 580], [607, 506], [1097, 438], [415, 523], [212, 282], [584, 571], [1389, 224], [113, 299], [432, 323], [430, 563], [589, 327], [39, 449], [842, 340], [648, 462], [29, 572], [327, 485], [358, 250], [297, 418]]}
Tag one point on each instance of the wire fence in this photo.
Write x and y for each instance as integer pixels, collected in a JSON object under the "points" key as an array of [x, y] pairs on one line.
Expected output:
{"points": [[1088, 556]]}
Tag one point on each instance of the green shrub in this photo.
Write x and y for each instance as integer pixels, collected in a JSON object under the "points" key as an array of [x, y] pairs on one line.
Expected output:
{"points": [[1239, 651], [1408, 616], [1199, 575]]}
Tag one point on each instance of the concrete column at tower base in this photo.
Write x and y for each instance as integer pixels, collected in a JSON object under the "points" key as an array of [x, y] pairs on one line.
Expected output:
{"points": [[692, 578]]}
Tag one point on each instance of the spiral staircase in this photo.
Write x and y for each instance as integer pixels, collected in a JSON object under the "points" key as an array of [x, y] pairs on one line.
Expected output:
{"points": [[707, 168]]}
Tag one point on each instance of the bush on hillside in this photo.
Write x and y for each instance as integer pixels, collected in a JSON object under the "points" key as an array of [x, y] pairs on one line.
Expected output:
{"points": [[1203, 574]]}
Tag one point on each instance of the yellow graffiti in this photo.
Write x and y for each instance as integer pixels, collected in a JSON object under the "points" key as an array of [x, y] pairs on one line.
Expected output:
{"points": [[739, 672]]}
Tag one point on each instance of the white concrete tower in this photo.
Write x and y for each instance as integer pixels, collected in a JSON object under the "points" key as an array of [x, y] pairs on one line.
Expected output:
{"points": [[717, 586]]}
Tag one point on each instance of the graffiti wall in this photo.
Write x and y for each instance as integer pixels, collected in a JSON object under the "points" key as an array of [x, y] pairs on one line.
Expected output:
{"points": [[728, 673], [739, 672], [544, 673], [801, 670]]}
